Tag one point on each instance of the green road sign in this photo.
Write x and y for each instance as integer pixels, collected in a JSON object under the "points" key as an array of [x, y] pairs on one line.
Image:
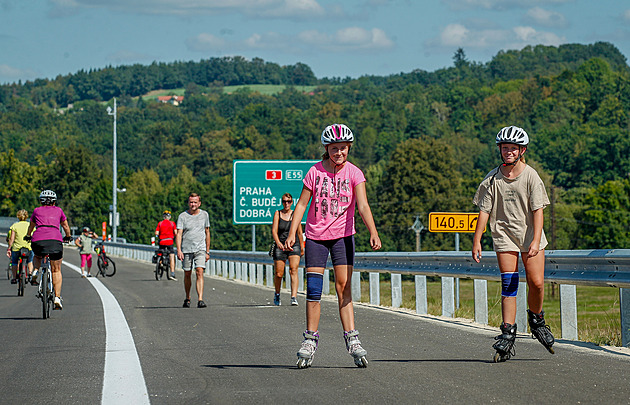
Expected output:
{"points": [[258, 187]]}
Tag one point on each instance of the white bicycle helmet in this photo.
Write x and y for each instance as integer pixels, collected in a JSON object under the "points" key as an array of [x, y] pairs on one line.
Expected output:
{"points": [[336, 133], [47, 197], [514, 135]]}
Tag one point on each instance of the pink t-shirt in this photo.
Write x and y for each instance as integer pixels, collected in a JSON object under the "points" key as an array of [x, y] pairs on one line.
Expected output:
{"points": [[47, 218], [331, 215]]}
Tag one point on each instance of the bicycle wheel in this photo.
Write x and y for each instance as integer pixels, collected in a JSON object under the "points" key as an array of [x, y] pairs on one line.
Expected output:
{"points": [[158, 269], [101, 266], [44, 293], [110, 268], [21, 278]]}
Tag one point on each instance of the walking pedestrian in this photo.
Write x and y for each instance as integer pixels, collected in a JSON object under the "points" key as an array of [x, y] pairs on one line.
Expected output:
{"points": [[280, 231], [84, 242], [193, 246]]}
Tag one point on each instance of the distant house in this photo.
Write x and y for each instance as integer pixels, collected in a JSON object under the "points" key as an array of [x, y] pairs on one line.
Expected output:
{"points": [[175, 100]]}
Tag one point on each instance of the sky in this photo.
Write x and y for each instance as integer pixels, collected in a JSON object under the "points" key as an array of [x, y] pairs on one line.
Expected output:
{"points": [[46, 38]]}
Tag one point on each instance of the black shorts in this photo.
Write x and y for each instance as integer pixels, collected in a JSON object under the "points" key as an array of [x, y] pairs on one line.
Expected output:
{"points": [[52, 248], [168, 248], [279, 254]]}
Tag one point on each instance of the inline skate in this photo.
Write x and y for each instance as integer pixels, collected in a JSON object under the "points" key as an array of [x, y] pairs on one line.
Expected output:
{"points": [[353, 344], [307, 350], [540, 330], [505, 343]]}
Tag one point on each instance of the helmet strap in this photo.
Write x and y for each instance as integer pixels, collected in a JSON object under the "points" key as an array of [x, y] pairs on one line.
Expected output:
{"points": [[520, 155]]}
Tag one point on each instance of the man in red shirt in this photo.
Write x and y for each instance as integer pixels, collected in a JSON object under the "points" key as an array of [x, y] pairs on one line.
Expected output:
{"points": [[165, 234]]}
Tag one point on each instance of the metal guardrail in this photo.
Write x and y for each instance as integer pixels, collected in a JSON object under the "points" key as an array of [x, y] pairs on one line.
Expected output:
{"points": [[568, 268]]}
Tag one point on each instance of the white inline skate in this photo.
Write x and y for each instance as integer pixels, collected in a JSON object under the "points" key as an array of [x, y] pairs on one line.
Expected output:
{"points": [[307, 350], [353, 344]]}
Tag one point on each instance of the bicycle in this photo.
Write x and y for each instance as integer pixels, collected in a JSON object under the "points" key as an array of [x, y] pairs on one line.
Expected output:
{"points": [[22, 270], [106, 266], [9, 271], [162, 263], [46, 290]]}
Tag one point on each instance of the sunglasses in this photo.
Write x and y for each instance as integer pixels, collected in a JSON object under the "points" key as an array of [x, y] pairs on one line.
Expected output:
{"points": [[287, 201]]}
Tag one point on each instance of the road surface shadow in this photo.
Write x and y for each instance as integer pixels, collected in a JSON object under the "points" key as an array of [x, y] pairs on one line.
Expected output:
{"points": [[446, 360], [265, 366]]}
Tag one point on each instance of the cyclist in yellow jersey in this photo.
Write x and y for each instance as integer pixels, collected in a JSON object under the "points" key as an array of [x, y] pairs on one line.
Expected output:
{"points": [[16, 242]]}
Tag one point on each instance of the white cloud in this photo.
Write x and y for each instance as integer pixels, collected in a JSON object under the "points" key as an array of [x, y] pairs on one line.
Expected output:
{"points": [[529, 36], [295, 8], [253, 8], [205, 42], [458, 35], [499, 4], [546, 18], [346, 39]]}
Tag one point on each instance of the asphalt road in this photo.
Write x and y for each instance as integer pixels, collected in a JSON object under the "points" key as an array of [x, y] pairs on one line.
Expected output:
{"points": [[241, 349]]}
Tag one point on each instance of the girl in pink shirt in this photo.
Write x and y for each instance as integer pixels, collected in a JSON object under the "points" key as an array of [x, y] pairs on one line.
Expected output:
{"points": [[333, 186]]}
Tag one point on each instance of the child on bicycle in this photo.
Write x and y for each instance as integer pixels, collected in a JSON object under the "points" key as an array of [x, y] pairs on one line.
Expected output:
{"points": [[333, 186], [511, 199], [16, 243]]}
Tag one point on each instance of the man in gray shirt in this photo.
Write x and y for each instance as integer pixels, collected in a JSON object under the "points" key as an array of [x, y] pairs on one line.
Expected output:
{"points": [[193, 245]]}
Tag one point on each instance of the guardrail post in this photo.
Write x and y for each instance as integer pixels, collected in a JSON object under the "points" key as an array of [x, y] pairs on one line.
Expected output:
{"points": [[375, 289], [568, 312], [521, 307], [252, 273], [300, 279], [224, 268], [421, 295], [396, 290], [448, 297], [326, 287], [356, 286], [624, 307], [269, 275], [481, 301], [231, 270], [259, 274]]}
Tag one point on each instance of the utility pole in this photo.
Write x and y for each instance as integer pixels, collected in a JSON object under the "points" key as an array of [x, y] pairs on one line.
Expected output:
{"points": [[115, 175]]}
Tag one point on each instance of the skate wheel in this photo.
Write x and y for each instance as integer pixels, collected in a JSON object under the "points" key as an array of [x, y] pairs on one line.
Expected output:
{"points": [[499, 358], [303, 363], [362, 362], [551, 350]]}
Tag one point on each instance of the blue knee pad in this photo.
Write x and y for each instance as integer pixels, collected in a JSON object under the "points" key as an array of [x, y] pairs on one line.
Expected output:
{"points": [[314, 284], [509, 284]]}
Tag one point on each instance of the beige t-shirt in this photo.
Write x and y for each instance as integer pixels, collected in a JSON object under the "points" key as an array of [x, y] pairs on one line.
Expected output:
{"points": [[511, 204]]}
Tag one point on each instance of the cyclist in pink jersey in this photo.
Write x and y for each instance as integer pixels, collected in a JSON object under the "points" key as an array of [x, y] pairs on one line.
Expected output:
{"points": [[47, 240], [333, 186]]}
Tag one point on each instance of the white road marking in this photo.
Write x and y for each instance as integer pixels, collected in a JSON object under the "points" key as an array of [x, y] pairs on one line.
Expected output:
{"points": [[123, 380]]}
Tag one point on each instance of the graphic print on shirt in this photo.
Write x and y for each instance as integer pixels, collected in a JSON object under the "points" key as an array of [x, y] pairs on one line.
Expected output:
{"points": [[331, 196]]}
